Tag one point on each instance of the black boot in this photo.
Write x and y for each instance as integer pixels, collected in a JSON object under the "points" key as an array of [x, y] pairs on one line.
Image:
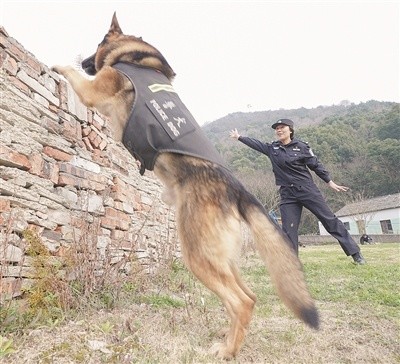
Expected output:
{"points": [[358, 259]]}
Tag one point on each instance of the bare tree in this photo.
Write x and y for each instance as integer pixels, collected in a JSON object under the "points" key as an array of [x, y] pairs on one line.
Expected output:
{"points": [[262, 185], [360, 211]]}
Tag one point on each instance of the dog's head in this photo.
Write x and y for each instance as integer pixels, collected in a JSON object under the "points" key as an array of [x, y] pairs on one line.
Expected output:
{"points": [[118, 47]]}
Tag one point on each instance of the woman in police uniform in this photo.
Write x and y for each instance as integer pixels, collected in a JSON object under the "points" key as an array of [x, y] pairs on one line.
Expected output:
{"points": [[292, 161]]}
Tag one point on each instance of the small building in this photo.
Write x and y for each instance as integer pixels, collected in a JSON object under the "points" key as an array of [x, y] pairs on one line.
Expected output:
{"points": [[376, 216]]}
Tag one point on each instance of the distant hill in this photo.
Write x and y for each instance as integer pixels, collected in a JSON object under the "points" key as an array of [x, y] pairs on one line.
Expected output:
{"points": [[258, 124]]}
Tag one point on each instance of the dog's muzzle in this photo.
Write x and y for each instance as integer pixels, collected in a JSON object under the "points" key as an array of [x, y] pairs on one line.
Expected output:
{"points": [[88, 65]]}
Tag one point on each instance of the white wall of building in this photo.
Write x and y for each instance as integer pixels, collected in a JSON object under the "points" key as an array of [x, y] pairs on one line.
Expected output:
{"points": [[373, 219]]}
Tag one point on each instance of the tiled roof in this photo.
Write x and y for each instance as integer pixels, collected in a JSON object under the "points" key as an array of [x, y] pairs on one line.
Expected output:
{"points": [[371, 205]]}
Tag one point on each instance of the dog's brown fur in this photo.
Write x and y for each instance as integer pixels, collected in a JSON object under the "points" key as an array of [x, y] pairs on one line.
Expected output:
{"points": [[209, 201]]}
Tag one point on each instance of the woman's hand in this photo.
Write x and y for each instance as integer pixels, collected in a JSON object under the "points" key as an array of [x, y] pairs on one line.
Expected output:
{"points": [[234, 134], [336, 187]]}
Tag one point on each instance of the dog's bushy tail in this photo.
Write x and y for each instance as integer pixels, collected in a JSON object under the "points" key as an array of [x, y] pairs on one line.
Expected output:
{"points": [[282, 263]]}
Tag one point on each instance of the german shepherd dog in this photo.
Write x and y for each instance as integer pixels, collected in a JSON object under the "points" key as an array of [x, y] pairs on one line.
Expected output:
{"points": [[209, 201]]}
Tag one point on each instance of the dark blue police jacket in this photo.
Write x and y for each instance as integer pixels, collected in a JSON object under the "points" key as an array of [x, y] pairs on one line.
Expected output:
{"points": [[159, 121], [290, 163]]}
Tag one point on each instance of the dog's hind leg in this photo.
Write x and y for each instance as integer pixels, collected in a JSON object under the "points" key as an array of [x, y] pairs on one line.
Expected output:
{"points": [[210, 252], [239, 305]]}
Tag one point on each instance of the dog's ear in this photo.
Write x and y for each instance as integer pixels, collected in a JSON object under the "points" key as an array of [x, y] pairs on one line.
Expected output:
{"points": [[115, 28]]}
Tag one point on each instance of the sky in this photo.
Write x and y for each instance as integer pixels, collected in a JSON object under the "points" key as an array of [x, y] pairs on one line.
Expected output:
{"points": [[234, 56]]}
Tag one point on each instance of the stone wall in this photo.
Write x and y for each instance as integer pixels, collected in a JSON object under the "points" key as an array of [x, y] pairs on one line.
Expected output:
{"points": [[63, 178]]}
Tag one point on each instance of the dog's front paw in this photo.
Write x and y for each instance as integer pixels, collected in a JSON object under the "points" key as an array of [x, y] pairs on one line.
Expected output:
{"points": [[56, 69], [61, 70]]}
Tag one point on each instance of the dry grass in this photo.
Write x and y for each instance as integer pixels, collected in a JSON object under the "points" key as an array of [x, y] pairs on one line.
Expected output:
{"points": [[359, 308]]}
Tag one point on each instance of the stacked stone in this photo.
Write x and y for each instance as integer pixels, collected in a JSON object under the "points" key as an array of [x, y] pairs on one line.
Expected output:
{"points": [[63, 177]]}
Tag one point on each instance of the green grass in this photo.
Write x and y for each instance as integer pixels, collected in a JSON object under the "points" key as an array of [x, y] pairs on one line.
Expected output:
{"points": [[333, 278], [173, 318], [159, 301]]}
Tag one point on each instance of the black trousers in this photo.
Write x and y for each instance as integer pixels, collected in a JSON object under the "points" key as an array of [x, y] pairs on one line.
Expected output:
{"points": [[294, 198]]}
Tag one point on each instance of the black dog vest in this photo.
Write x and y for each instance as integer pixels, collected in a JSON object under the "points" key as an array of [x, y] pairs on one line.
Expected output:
{"points": [[159, 121]]}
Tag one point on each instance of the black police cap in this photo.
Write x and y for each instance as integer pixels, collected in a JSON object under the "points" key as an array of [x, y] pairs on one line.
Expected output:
{"points": [[287, 122]]}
